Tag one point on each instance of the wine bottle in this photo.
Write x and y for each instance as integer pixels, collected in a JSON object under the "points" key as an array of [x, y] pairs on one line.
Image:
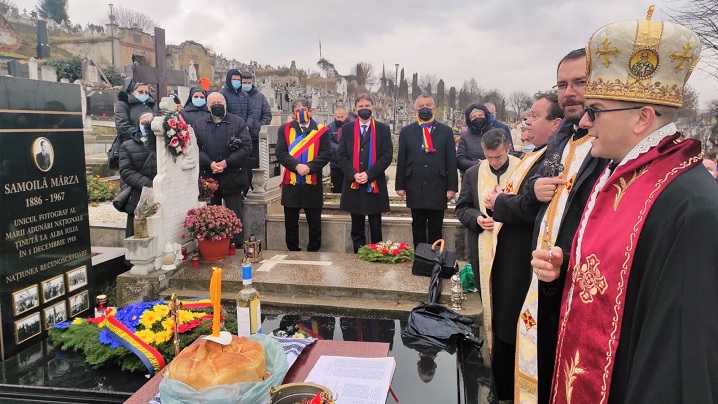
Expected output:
{"points": [[249, 313]]}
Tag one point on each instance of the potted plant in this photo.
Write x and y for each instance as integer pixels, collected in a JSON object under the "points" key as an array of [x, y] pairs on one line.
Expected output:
{"points": [[207, 188], [212, 226]]}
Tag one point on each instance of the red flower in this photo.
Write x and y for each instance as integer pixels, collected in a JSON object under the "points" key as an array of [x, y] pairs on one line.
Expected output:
{"points": [[189, 326], [395, 252], [174, 142], [172, 123]]}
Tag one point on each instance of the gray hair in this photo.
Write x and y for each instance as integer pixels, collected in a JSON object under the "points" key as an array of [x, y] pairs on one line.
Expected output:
{"points": [[302, 101]]}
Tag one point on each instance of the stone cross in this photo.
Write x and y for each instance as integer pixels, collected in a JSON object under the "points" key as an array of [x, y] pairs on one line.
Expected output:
{"points": [[159, 75], [605, 52]]}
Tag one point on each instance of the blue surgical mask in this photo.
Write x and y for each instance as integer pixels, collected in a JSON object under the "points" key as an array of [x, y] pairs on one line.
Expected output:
{"points": [[199, 102], [236, 84], [492, 118], [142, 97], [529, 148], [246, 87]]}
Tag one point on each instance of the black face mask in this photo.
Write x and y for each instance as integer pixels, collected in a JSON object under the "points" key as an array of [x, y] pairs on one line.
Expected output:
{"points": [[148, 128], [338, 123], [477, 124], [425, 114], [364, 113], [217, 110]]}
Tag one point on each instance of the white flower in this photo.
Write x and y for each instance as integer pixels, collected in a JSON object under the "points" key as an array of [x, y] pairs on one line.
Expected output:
{"points": [[171, 132]]}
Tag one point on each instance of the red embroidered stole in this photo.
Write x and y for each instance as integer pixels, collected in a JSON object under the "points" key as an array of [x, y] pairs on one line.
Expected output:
{"points": [[372, 186], [309, 144], [601, 258]]}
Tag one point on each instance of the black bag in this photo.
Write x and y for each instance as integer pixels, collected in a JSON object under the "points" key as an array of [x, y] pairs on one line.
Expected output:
{"points": [[424, 260], [122, 197], [113, 155], [432, 326]]}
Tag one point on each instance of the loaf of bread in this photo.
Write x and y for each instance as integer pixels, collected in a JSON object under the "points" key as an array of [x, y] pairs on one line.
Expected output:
{"points": [[207, 363]]}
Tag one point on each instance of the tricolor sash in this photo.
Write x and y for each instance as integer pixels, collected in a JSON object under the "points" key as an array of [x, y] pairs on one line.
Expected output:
{"points": [[599, 269], [304, 148], [487, 182], [526, 370], [152, 359], [372, 186], [427, 145]]}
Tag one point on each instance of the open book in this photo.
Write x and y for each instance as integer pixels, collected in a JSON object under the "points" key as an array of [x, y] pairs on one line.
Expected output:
{"points": [[354, 380]]}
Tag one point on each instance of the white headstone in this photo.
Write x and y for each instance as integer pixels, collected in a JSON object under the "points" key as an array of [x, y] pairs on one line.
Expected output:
{"points": [[192, 71], [48, 73], [175, 186], [342, 87], [32, 69], [182, 93], [92, 75], [86, 121]]}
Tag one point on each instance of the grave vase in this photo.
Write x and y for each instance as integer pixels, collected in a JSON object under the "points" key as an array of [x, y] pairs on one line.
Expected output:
{"points": [[212, 250], [141, 228]]}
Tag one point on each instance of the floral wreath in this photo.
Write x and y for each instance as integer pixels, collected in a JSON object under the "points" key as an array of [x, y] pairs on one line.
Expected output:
{"points": [[177, 135], [389, 252]]}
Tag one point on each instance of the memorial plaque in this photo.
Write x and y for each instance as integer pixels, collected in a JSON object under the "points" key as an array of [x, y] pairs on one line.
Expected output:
{"points": [[45, 248]]}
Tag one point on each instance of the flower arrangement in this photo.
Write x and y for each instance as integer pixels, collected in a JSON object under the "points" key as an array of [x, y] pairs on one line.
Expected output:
{"points": [[389, 252], [177, 135], [100, 190], [212, 223], [149, 321], [207, 188]]}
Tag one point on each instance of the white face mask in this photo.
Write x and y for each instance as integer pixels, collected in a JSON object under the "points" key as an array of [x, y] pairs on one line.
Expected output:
{"points": [[529, 148]]}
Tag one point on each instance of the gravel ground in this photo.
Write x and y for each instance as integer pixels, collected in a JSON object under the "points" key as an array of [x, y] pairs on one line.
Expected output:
{"points": [[105, 212]]}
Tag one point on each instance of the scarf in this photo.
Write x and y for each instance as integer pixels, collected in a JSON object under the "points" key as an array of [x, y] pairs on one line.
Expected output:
{"points": [[372, 186], [427, 146], [601, 258], [304, 148]]}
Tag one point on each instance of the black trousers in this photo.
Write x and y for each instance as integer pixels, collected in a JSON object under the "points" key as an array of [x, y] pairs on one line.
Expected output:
{"points": [[235, 203], [130, 226], [337, 177], [502, 366], [252, 162], [423, 220], [358, 230], [291, 225]]}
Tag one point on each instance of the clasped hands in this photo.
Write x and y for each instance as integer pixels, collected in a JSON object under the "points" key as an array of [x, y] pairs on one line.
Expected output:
{"points": [[302, 169], [547, 267], [361, 178], [218, 166]]}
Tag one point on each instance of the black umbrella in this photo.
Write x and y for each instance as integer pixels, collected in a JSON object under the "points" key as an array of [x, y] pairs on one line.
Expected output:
{"points": [[435, 282]]}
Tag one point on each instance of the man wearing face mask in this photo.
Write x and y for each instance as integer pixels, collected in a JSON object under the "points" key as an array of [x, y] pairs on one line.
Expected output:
{"points": [[224, 145], [196, 106], [495, 123], [237, 100], [426, 170], [365, 152], [259, 114], [303, 149], [335, 129], [470, 153]]}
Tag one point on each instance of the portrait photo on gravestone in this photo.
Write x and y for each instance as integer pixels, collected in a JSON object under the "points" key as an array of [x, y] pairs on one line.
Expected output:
{"points": [[44, 155], [76, 278], [27, 328], [25, 299], [55, 314], [79, 303]]}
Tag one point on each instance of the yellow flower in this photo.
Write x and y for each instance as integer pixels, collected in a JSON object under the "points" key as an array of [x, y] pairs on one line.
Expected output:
{"points": [[162, 310], [163, 336], [185, 316], [168, 324], [148, 318], [77, 321], [147, 336]]}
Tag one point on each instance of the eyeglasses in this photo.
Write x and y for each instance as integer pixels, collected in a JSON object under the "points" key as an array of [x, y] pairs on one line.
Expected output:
{"points": [[593, 111], [576, 85]]}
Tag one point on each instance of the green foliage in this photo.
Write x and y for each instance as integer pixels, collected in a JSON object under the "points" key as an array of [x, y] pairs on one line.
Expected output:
{"points": [[69, 68], [114, 76], [54, 9], [99, 190]]}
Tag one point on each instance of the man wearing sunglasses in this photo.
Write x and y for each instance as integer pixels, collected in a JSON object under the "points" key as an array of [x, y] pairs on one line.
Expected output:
{"points": [[563, 185], [637, 319]]}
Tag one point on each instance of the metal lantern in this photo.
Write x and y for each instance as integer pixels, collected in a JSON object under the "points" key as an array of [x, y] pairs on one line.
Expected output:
{"points": [[252, 249]]}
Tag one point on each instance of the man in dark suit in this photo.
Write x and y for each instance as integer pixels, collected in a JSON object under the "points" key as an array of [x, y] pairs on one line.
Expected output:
{"points": [[364, 153], [426, 170], [303, 149], [44, 158]]}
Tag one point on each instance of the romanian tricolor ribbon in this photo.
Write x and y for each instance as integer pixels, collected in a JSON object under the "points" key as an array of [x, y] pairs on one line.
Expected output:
{"points": [[152, 359], [196, 303], [372, 186], [304, 148], [427, 146]]}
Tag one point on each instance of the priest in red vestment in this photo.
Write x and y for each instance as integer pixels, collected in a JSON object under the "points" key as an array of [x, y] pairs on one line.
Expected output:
{"points": [[637, 321]]}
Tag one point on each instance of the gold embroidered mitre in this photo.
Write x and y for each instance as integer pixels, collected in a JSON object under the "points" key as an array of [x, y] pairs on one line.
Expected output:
{"points": [[641, 61]]}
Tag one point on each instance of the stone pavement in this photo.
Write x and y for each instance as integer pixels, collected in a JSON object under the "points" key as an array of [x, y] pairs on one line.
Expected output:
{"points": [[317, 282]]}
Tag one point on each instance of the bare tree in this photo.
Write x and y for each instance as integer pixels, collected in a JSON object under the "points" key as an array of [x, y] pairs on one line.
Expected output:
{"points": [[428, 83], [689, 110], [128, 18], [702, 17], [364, 73], [520, 101], [328, 68], [7, 5]]}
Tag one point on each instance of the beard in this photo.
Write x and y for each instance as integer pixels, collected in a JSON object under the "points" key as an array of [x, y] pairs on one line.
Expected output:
{"points": [[573, 110]]}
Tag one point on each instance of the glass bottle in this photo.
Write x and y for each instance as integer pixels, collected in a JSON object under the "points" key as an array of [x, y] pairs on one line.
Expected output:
{"points": [[249, 313]]}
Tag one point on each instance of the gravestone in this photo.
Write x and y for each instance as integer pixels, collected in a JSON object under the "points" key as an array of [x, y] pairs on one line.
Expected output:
{"points": [[32, 69], [48, 73], [101, 102], [17, 69], [45, 261], [183, 93], [192, 72], [90, 74]]}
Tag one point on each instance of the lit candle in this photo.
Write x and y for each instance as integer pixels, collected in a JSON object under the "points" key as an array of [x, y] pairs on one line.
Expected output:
{"points": [[215, 294]]}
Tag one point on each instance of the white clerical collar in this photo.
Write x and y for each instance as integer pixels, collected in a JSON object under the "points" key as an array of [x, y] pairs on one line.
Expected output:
{"points": [[649, 142]]}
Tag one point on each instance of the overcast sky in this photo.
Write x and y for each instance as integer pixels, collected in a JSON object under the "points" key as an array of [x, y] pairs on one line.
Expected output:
{"points": [[505, 44]]}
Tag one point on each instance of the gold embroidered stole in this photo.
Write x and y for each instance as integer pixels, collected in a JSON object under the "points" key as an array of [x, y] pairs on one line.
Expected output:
{"points": [[486, 184], [526, 368]]}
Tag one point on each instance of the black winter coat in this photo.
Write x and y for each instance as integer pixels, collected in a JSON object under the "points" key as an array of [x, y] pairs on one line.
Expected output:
{"points": [[190, 113], [128, 110], [303, 195], [259, 112], [360, 201], [213, 139], [237, 100], [426, 177], [133, 170]]}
